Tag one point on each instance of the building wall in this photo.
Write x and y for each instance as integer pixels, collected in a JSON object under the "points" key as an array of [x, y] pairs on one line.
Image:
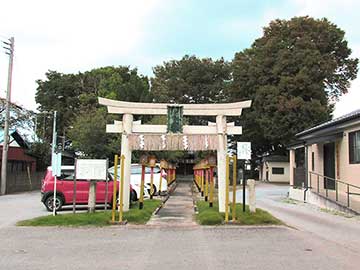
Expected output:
{"points": [[348, 172], [18, 154], [13, 143], [318, 150], [280, 178], [344, 171]]}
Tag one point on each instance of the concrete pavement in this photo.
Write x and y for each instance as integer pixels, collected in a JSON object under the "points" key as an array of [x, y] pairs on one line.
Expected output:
{"points": [[178, 210], [344, 231]]}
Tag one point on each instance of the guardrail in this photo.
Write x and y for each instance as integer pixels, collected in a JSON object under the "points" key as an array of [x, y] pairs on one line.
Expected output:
{"points": [[334, 189]]}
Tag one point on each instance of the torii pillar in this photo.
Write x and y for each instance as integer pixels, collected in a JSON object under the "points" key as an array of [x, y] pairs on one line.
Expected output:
{"points": [[221, 160], [126, 151]]}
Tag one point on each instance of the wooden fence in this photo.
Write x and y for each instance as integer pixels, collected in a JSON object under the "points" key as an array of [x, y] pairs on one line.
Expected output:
{"points": [[20, 181]]}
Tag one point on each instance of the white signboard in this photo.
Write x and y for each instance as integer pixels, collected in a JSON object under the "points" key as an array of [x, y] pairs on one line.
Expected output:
{"points": [[244, 150], [56, 164], [91, 169]]}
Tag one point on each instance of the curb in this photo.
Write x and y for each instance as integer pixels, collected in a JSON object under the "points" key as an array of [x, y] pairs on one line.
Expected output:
{"points": [[171, 190], [194, 200]]}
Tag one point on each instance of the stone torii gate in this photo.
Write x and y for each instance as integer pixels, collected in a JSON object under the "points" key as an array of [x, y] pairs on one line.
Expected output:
{"points": [[137, 136]]}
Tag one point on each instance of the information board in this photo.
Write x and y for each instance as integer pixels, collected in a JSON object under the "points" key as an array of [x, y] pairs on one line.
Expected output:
{"points": [[91, 169], [244, 150], [56, 164]]}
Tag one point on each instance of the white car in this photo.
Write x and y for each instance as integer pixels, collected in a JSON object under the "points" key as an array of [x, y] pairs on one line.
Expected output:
{"points": [[135, 180]]}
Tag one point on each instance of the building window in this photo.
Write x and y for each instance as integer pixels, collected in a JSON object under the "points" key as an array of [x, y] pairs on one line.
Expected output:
{"points": [[354, 147], [312, 161], [276, 170]]}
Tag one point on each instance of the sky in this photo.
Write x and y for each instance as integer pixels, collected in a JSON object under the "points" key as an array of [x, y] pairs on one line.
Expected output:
{"points": [[71, 36]]}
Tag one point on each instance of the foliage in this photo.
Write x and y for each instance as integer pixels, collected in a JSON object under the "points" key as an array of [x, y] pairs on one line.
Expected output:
{"points": [[211, 216], [20, 117], [42, 152], [75, 98], [191, 80], [88, 134], [99, 219], [293, 73], [59, 92]]}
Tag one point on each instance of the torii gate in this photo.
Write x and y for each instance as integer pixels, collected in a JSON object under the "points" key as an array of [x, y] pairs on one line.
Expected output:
{"points": [[136, 136]]}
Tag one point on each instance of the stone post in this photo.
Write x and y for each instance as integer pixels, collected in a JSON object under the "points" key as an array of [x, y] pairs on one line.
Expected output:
{"points": [[251, 195], [126, 151], [221, 160], [292, 166], [92, 197]]}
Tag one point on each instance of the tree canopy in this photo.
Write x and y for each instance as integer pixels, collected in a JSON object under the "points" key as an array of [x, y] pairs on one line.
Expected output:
{"points": [[293, 74], [191, 80], [74, 97], [88, 134], [19, 117]]}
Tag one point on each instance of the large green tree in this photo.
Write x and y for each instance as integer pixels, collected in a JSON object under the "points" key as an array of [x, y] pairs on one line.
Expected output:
{"points": [[75, 98], [59, 92], [89, 137], [293, 74], [191, 80]]}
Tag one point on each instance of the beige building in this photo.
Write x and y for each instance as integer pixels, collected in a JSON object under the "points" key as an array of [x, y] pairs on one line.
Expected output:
{"points": [[326, 162], [275, 169]]}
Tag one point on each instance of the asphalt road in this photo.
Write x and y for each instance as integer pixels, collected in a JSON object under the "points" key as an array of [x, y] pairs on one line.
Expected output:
{"points": [[20, 206], [195, 247]]}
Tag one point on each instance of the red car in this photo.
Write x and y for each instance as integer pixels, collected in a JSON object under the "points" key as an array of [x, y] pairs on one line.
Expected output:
{"points": [[65, 189]]}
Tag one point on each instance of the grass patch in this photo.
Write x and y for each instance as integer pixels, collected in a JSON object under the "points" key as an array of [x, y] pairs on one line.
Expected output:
{"points": [[211, 216], [336, 213], [99, 218], [290, 201]]}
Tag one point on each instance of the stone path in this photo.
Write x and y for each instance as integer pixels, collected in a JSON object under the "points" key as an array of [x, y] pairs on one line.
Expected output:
{"points": [[178, 210]]}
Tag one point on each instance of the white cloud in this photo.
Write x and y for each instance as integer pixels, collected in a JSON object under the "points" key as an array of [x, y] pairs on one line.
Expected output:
{"points": [[68, 36]]}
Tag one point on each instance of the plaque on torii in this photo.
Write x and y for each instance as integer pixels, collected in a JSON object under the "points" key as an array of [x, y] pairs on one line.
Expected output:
{"points": [[175, 135]]}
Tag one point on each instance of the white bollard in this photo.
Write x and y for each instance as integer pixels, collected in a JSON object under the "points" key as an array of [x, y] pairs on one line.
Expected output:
{"points": [[251, 195], [92, 197]]}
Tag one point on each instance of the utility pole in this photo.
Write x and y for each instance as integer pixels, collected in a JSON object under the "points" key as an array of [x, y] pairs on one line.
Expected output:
{"points": [[54, 162], [10, 52]]}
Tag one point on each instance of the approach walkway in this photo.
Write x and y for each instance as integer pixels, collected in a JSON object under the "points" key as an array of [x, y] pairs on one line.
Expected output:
{"points": [[178, 210]]}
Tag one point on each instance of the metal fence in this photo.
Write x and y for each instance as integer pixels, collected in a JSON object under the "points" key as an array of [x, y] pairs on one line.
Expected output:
{"points": [[336, 190]]}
